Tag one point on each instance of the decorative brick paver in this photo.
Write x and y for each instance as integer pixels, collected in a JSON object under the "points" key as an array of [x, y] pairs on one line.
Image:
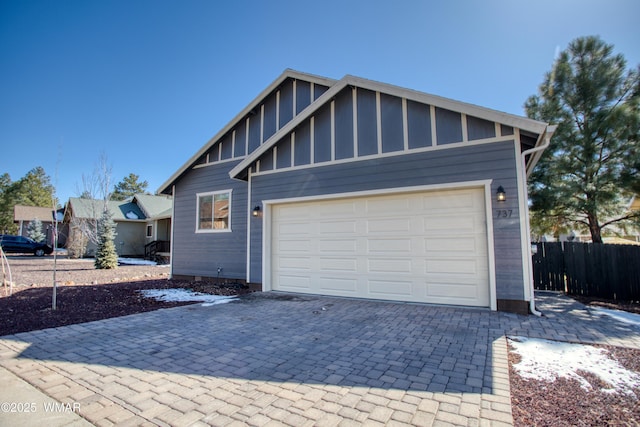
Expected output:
{"points": [[274, 359]]}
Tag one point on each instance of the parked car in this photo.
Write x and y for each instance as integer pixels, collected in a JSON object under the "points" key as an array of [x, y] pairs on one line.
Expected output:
{"points": [[22, 245]]}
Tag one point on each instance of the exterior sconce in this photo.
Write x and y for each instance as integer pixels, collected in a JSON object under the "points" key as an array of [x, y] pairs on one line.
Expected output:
{"points": [[256, 211], [501, 195]]}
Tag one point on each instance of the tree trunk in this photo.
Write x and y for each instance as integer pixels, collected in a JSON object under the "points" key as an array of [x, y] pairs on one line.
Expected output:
{"points": [[594, 228]]}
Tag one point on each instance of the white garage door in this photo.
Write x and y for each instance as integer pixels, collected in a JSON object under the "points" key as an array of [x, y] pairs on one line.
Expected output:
{"points": [[423, 247]]}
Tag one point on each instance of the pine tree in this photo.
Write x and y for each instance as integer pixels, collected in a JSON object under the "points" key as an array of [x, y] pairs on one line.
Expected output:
{"points": [[129, 187], [106, 255], [585, 179], [34, 231]]}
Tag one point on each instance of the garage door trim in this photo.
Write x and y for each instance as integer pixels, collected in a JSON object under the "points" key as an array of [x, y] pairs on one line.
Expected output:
{"points": [[485, 184]]}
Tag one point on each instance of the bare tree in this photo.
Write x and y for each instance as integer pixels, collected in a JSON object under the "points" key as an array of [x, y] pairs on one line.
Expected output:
{"points": [[95, 190]]}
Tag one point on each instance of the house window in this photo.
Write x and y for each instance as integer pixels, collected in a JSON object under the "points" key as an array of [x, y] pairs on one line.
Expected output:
{"points": [[149, 230], [213, 211]]}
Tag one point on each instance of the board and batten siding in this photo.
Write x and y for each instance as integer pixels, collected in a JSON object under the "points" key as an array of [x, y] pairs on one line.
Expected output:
{"points": [[201, 254], [495, 161], [264, 120], [359, 123]]}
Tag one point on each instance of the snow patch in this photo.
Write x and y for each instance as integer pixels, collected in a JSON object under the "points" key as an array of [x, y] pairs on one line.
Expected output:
{"points": [[181, 294], [547, 360], [132, 215], [136, 261], [619, 315]]}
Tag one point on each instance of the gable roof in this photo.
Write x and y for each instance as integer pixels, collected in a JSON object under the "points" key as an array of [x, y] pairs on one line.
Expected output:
{"points": [[288, 73], [122, 210], [534, 130], [529, 125], [154, 206], [29, 213]]}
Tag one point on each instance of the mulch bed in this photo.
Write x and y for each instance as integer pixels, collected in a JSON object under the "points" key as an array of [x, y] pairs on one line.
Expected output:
{"points": [[84, 294], [564, 403], [31, 309]]}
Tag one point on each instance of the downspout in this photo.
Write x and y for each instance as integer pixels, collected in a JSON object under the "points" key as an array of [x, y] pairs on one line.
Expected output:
{"points": [[547, 134]]}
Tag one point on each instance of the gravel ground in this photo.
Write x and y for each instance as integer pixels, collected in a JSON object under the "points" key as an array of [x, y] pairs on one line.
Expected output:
{"points": [[86, 294]]}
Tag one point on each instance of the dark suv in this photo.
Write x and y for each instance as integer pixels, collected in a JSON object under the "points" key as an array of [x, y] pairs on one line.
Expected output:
{"points": [[19, 245]]}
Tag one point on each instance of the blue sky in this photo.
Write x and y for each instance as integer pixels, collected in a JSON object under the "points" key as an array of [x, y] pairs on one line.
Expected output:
{"points": [[149, 82]]}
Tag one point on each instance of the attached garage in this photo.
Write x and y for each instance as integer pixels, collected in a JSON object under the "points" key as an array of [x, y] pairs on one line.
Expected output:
{"points": [[356, 188], [427, 246]]}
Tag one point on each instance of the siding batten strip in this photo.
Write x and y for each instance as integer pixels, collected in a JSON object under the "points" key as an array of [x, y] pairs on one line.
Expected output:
{"points": [[354, 97], [333, 130], [246, 137], [277, 111], [312, 124], [294, 97], [405, 124], [233, 144], [249, 210], [293, 149], [275, 158], [261, 124], [434, 132], [465, 132], [378, 122]]}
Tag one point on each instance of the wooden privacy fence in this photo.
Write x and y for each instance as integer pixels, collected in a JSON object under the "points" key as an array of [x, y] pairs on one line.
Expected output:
{"points": [[587, 269]]}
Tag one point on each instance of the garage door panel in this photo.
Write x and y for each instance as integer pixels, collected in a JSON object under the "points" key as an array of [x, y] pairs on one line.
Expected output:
{"points": [[454, 267], [337, 246], [338, 264], [294, 283], [336, 227], [423, 247], [392, 266], [381, 206], [389, 245], [336, 209], [293, 212], [454, 246], [388, 225], [292, 229], [443, 224], [390, 289], [297, 245], [294, 263], [461, 200], [338, 284]]}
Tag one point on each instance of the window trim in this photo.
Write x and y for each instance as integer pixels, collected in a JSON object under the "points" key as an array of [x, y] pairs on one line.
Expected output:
{"points": [[149, 231], [213, 194]]}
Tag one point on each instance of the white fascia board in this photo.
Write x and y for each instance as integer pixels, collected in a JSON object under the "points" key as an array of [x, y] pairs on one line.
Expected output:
{"points": [[288, 73]]}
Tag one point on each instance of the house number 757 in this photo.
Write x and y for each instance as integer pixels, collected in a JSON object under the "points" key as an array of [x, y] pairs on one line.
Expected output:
{"points": [[504, 213]]}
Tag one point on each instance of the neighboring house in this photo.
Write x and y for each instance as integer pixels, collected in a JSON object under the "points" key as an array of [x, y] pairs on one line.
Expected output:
{"points": [[157, 210], [24, 215], [140, 221], [362, 189]]}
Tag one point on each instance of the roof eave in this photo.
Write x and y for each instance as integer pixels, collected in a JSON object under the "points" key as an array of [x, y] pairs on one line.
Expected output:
{"points": [[543, 139]]}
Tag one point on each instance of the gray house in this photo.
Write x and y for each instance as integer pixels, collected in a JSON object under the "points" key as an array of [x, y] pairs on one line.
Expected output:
{"points": [[142, 223], [361, 189]]}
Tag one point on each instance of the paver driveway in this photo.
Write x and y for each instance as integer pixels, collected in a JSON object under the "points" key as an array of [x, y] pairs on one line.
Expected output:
{"points": [[291, 360]]}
